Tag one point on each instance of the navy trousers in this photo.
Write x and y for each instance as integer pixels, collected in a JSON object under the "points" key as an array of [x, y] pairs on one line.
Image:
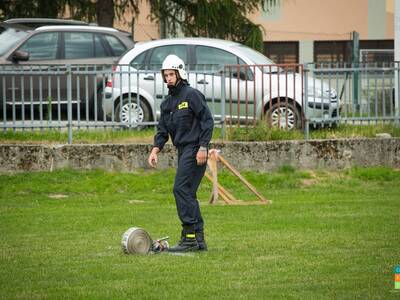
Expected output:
{"points": [[187, 181]]}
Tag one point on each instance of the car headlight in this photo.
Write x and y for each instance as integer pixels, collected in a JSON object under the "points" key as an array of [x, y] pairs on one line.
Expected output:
{"points": [[317, 93], [332, 94]]}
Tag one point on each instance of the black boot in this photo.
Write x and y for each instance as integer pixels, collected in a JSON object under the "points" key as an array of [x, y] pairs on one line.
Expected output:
{"points": [[201, 241], [187, 243]]}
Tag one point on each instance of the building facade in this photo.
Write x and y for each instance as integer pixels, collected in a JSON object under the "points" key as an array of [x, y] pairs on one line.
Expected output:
{"points": [[300, 31]]}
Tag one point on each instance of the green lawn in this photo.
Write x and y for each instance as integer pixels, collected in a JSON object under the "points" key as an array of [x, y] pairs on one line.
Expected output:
{"points": [[326, 235]]}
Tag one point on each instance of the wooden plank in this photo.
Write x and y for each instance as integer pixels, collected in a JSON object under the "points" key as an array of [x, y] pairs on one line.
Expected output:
{"points": [[225, 197], [235, 172], [222, 192], [212, 165]]}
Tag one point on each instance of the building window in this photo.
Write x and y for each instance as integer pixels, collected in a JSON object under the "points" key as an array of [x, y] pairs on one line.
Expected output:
{"points": [[377, 51], [332, 52], [282, 52], [377, 44], [339, 52]]}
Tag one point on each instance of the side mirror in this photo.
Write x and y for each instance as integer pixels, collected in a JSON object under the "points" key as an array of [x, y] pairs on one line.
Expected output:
{"points": [[20, 56]]}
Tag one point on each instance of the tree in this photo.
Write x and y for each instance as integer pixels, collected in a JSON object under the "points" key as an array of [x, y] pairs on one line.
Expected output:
{"points": [[105, 12], [78, 9], [101, 11], [226, 19], [29, 9]]}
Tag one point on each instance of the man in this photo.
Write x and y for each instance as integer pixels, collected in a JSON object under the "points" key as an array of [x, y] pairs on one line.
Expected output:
{"points": [[186, 118]]}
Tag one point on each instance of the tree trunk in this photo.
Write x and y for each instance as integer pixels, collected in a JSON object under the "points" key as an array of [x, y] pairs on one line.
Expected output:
{"points": [[105, 12]]}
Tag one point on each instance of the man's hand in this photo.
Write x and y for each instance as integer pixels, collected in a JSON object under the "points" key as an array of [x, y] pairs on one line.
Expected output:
{"points": [[201, 157], [153, 160]]}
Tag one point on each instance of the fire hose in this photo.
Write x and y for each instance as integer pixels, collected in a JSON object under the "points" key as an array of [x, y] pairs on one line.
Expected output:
{"points": [[137, 241]]}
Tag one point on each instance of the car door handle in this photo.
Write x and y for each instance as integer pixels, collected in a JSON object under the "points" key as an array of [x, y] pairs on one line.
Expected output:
{"points": [[149, 78], [202, 81]]}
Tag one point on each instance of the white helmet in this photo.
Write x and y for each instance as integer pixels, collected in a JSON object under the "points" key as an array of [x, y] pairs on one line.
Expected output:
{"points": [[173, 62]]}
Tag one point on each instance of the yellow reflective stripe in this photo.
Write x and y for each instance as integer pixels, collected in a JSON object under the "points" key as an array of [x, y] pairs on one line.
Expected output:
{"points": [[190, 235], [183, 105]]}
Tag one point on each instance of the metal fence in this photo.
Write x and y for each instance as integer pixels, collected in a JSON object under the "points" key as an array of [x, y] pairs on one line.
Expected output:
{"points": [[52, 96], [88, 96], [121, 96], [365, 93]]}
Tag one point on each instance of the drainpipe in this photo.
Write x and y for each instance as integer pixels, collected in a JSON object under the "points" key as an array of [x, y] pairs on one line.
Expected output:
{"points": [[397, 59], [355, 59]]}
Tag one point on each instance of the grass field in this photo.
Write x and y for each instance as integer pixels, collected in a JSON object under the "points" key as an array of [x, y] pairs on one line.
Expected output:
{"points": [[326, 235]]}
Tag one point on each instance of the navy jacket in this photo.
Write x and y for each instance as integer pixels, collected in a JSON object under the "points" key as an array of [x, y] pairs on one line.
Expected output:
{"points": [[186, 117]]}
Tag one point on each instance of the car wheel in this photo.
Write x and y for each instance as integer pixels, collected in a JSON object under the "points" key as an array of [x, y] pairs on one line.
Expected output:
{"points": [[132, 113], [283, 116]]}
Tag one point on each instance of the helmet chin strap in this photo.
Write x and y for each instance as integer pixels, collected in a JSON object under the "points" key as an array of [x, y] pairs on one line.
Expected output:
{"points": [[178, 77]]}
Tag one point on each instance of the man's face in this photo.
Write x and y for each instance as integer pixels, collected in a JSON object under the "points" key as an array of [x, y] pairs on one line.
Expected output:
{"points": [[170, 77]]}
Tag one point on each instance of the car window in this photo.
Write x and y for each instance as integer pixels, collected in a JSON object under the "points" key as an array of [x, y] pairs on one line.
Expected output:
{"points": [[42, 46], [160, 53], [212, 59], [138, 61], [99, 49], [246, 73], [9, 37], [117, 47], [78, 45]]}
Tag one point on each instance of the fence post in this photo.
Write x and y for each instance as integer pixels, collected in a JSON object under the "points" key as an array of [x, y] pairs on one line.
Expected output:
{"points": [[397, 93], [305, 108], [223, 100], [69, 103]]}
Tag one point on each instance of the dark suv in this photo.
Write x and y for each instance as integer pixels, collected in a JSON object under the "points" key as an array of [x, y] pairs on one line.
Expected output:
{"points": [[29, 52]]}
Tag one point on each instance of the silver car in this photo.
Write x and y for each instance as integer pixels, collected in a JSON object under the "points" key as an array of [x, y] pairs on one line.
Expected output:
{"points": [[51, 48], [239, 83]]}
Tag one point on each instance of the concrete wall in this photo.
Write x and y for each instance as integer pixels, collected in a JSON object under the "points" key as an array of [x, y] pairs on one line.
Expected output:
{"points": [[306, 51], [258, 156]]}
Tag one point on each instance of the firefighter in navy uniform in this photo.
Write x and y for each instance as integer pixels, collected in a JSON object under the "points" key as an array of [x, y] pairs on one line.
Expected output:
{"points": [[185, 117]]}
